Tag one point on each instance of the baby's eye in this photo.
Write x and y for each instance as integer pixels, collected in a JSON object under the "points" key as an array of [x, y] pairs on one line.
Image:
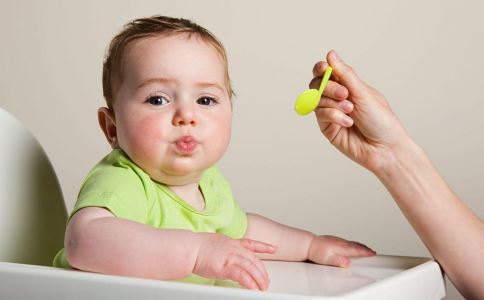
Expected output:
{"points": [[206, 101], [157, 100]]}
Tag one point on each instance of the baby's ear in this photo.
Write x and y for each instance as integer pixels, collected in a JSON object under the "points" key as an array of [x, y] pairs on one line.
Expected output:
{"points": [[108, 125]]}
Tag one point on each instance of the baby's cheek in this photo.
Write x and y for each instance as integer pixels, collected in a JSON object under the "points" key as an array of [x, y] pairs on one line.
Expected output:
{"points": [[222, 136], [148, 136]]}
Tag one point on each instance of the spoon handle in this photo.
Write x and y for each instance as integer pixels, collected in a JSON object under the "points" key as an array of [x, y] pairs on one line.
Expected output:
{"points": [[325, 80]]}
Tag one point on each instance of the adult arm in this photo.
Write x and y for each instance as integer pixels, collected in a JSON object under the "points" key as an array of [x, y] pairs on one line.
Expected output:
{"points": [[369, 133]]}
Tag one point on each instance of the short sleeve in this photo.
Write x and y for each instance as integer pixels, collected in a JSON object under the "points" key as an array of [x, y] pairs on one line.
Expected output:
{"points": [[116, 188], [238, 225]]}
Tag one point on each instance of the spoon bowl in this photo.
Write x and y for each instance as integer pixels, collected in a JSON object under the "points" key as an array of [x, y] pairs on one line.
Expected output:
{"points": [[308, 100]]}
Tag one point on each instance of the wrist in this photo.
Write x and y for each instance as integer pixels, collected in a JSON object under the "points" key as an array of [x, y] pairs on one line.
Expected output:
{"points": [[407, 155], [199, 239], [311, 248]]}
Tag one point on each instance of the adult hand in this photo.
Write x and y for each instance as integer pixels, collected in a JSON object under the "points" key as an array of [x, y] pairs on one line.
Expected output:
{"points": [[367, 131], [356, 118], [221, 257]]}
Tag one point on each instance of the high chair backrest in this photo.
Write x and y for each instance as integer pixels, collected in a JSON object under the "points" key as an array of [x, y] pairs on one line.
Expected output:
{"points": [[32, 209]]}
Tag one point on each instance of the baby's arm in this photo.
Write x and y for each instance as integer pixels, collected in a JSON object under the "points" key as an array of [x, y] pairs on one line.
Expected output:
{"points": [[298, 245], [99, 242]]}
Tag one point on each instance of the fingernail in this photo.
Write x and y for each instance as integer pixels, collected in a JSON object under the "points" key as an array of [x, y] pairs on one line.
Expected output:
{"points": [[342, 92], [335, 55], [347, 106], [347, 121], [323, 66]]}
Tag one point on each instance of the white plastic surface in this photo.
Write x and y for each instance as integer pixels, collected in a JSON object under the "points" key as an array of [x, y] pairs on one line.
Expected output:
{"points": [[380, 277], [32, 224], [32, 209]]}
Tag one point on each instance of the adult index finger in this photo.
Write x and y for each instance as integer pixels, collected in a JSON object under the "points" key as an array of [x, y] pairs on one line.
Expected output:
{"points": [[346, 75], [333, 89]]}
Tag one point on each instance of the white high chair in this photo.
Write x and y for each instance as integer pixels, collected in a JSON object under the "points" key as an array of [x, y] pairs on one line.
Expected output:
{"points": [[32, 209], [32, 224]]}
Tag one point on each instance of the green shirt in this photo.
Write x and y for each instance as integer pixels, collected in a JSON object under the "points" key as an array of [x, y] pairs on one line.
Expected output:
{"points": [[119, 185]]}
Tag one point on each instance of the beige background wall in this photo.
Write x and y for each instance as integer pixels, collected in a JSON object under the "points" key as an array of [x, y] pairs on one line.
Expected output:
{"points": [[425, 56]]}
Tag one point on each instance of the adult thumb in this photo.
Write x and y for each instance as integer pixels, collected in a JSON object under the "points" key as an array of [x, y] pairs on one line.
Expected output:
{"points": [[346, 75]]}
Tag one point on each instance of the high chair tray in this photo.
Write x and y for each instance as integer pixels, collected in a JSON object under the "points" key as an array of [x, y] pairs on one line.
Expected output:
{"points": [[379, 277]]}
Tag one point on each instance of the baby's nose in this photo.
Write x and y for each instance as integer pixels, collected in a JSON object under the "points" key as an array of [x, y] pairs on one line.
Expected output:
{"points": [[184, 115]]}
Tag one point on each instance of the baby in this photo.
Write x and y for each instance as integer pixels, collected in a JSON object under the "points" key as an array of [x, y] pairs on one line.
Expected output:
{"points": [[157, 206]]}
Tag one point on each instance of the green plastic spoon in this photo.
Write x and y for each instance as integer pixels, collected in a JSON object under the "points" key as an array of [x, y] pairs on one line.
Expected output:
{"points": [[308, 100]]}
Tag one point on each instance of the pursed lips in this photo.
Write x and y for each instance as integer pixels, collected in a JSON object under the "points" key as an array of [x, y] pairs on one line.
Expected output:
{"points": [[186, 144]]}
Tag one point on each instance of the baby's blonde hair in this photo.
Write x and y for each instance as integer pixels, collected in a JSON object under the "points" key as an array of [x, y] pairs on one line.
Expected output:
{"points": [[150, 27]]}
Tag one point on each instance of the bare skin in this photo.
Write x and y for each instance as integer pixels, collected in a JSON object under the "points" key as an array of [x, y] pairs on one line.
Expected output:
{"points": [[174, 88], [358, 121]]}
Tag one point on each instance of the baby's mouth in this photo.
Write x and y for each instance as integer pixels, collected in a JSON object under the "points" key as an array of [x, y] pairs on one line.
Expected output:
{"points": [[186, 144]]}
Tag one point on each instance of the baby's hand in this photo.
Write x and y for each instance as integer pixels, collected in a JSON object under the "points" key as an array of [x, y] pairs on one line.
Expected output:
{"points": [[221, 257], [335, 251]]}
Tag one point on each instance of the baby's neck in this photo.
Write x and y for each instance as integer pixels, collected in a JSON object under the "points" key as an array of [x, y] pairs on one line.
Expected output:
{"points": [[190, 193]]}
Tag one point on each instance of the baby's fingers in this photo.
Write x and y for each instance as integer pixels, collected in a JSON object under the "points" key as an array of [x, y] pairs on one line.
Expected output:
{"points": [[338, 261], [249, 274], [238, 274], [352, 249], [355, 249], [256, 269], [258, 246]]}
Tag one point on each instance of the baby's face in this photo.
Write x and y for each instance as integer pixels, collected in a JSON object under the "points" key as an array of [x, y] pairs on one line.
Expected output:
{"points": [[173, 112]]}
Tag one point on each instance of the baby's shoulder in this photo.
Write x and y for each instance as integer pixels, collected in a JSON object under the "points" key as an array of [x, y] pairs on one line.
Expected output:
{"points": [[116, 170]]}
